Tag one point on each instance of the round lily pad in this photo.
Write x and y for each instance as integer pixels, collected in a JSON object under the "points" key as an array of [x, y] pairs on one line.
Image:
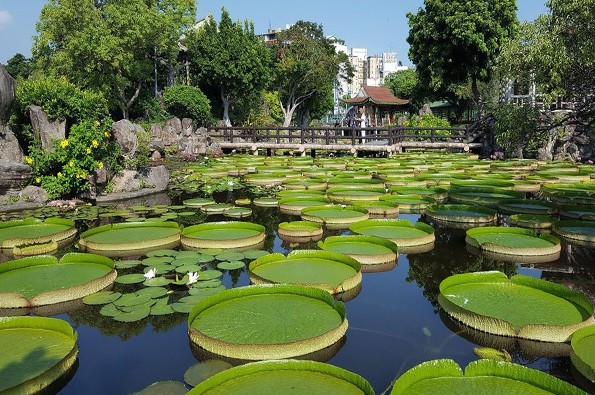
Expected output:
{"points": [[45, 349], [224, 323], [532, 221], [230, 256], [285, 376], [513, 241], [127, 264], [125, 239], [133, 278], [253, 254], [462, 213], [583, 355], [223, 235], [201, 371], [367, 250], [43, 280], [484, 376], [100, 298], [577, 232], [238, 212], [401, 231], [335, 217], [231, 265], [164, 388], [33, 231], [493, 303]]}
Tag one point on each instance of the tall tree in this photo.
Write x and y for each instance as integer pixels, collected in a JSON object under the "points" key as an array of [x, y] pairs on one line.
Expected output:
{"points": [[230, 59], [107, 45], [19, 66], [306, 65], [454, 42]]}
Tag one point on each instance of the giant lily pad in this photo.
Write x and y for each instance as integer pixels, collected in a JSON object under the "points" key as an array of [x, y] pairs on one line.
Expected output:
{"points": [[130, 238], [583, 351], [485, 376], [292, 320], [36, 351], [484, 196], [334, 217], [284, 377], [300, 231], [490, 302], [532, 221], [401, 231], [576, 232], [514, 242], [352, 195], [43, 280], [294, 205], [380, 209], [527, 206], [462, 213], [367, 250], [223, 235], [33, 231], [410, 203], [326, 270]]}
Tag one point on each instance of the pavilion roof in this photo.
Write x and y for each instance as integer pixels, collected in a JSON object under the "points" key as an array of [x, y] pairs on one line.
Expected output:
{"points": [[377, 95]]}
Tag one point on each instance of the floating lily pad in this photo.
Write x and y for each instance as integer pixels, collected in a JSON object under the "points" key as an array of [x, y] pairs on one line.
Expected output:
{"points": [[381, 209], [224, 323], [45, 349], [231, 265], [401, 231], [294, 205], [33, 231], [410, 203], [153, 292], [484, 376], [300, 231], [285, 376], [577, 232], [266, 202], [367, 250], [133, 278], [198, 202], [125, 239], [582, 212], [330, 271], [352, 195], [490, 302], [583, 351], [223, 234], [162, 253], [100, 298], [238, 212], [230, 256], [527, 206], [157, 282], [201, 371], [334, 217], [127, 263], [515, 242], [133, 315], [462, 213], [22, 250], [43, 280], [532, 221]]}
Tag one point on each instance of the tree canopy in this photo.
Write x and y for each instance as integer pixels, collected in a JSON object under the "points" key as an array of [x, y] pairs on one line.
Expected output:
{"points": [[110, 46], [454, 42], [230, 59], [305, 66]]}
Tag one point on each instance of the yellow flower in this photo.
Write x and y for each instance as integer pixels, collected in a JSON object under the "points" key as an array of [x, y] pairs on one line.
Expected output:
{"points": [[106, 134], [100, 165], [38, 180], [28, 160], [83, 175], [71, 164], [97, 123], [64, 143], [88, 150], [94, 143], [59, 174]]}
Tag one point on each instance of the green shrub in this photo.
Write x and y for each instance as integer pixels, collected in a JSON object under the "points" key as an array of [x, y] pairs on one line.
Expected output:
{"points": [[64, 172], [517, 128], [185, 101], [428, 121]]}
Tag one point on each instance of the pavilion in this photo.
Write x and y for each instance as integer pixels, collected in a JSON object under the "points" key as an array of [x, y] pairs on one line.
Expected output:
{"points": [[380, 105]]}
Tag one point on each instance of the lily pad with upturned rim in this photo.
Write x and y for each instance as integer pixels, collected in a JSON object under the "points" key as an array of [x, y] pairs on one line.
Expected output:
{"points": [[224, 324], [45, 348], [334, 217], [300, 231], [527, 206], [401, 231], [462, 213], [223, 235], [130, 238], [34, 231], [485, 376], [513, 241], [330, 271], [581, 232], [367, 250], [493, 303], [285, 376], [43, 280], [532, 221], [583, 351]]}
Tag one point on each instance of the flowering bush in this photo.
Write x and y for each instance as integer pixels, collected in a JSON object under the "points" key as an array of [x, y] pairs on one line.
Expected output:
{"points": [[65, 171]]}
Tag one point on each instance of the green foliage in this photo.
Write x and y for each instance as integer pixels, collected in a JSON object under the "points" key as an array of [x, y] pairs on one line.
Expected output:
{"points": [[517, 128], [402, 83], [64, 172], [19, 66], [229, 60], [428, 121], [186, 101], [454, 42]]}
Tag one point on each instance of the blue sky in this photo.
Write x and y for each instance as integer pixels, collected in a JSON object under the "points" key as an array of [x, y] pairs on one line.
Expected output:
{"points": [[380, 25]]}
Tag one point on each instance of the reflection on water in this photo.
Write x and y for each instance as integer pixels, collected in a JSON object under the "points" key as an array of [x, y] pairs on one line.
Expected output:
{"points": [[394, 320]]}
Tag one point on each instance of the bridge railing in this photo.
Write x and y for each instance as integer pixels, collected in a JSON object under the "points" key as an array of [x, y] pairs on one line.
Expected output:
{"points": [[336, 135]]}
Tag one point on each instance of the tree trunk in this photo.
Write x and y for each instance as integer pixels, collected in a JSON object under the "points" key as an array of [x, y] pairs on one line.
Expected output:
{"points": [[226, 103], [478, 98]]}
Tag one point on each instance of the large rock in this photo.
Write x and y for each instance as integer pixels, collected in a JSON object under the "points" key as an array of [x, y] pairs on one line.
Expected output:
{"points": [[10, 150], [125, 133], [33, 194], [187, 127], [126, 181], [171, 132], [44, 129], [13, 177], [155, 177], [6, 94]]}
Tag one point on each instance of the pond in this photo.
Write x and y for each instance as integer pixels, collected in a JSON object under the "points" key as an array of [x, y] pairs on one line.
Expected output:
{"points": [[395, 321]]}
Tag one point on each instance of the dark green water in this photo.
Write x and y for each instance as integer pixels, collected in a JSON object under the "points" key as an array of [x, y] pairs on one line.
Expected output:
{"points": [[394, 322]]}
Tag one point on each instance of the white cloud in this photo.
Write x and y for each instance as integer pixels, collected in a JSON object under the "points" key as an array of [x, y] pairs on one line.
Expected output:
{"points": [[5, 19]]}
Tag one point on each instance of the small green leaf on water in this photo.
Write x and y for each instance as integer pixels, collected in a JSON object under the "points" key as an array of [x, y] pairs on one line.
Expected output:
{"points": [[426, 331], [202, 371], [492, 353]]}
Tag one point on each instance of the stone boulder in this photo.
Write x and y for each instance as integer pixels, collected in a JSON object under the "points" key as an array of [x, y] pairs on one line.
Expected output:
{"points": [[33, 194], [155, 177], [187, 127], [171, 131], [126, 181], [125, 133], [14, 177], [6, 94], [10, 150], [44, 129]]}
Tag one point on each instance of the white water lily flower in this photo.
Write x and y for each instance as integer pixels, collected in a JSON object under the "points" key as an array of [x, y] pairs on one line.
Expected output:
{"points": [[151, 273], [230, 183], [192, 278]]}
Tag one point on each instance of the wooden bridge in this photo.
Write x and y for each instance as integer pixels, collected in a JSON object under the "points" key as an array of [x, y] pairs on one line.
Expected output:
{"points": [[373, 139]]}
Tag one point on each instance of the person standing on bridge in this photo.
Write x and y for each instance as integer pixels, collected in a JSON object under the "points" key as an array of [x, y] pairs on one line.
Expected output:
{"points": [[363, 124]]}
